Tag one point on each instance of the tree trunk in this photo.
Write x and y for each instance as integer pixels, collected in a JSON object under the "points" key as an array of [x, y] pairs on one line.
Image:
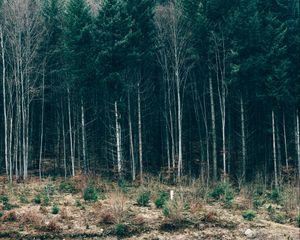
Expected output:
{"points": [[285, 143], [71, 134], [42, 126], [213, 125], [274, 149], [243, 134], [297, 136], [4, 104], [140, 134], [83, 138], [64, 140], [118, 140], [132, 157]]}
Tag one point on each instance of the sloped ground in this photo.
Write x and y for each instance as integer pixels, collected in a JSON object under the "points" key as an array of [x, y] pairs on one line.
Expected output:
{"points": [[116, 215]]}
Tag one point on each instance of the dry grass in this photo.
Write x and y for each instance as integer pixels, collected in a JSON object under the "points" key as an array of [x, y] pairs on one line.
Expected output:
{"points": [[10, 216], [32, 217]]}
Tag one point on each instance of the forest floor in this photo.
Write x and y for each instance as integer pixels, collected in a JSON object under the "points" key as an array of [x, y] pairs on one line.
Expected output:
{"points": [[81, 208]]}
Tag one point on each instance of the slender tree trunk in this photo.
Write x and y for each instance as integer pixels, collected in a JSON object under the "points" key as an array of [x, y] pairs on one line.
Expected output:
{"points": [[297, 136], [64, 140], [4, 104], [140, 134], [243, 134], [274, 149], [83, 138], [278, 146], [71, 134], [42, 126], [213, 125], [118, 140], [132, 157], [285, 143]]}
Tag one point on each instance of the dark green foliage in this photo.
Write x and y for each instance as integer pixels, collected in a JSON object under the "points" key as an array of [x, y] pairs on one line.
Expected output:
{"points": [[121, 230], [271, 210], [225, 192], [279, 218], [275, 196], [90, 194], [257, 202], [37, 199], [1, 214], [23, 198], [298, 221], [144, 198], [46, 200], [4, 199], [79, 204], [162, 199], [55, 209], [67, 187], [166, 211], [249, 215], [123, 185], [259, 190]]}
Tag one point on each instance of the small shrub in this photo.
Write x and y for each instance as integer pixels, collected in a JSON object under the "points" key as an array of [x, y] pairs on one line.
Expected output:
{"points": [[225, 192], [4, 199], [257, 202], [275, 196], [259, 190], [67, 187], [279, 218], [46, 200], [249, 215], [218, 191], [271, 210], [37, 199], [10, 216], [49, 189], [210, 216], [144, 198], [123, 185], [23, 198], [121, 230], [298, 221], [55, 209], [161, 200], [1, 214], [139, 220], [107, 218], [166, 211], [79, 204], [52, 226], [90, 194]]}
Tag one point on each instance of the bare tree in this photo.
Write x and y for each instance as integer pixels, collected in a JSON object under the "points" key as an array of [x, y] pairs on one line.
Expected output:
{"points": [[173, 42], [220, 71], [24, 30]]}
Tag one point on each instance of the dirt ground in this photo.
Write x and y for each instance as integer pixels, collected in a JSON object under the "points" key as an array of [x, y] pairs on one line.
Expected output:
{"points": [[27, 218]]}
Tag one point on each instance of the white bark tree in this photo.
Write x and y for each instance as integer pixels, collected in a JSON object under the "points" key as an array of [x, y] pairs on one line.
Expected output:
{"points": [[173, 42], [23, 30]]}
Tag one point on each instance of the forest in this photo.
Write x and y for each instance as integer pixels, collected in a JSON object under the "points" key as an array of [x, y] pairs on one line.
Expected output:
{"points": [[125, 91]]}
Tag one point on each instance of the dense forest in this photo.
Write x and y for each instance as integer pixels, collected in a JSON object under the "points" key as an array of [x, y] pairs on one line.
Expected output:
{"points": [[204, 89]]}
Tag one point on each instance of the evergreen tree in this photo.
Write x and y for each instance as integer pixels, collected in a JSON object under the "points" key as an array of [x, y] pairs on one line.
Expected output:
{"points": [[78, 44]]}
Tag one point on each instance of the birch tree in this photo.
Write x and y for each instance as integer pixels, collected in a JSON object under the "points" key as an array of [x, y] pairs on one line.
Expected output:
{"points": [[173, 42]]}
